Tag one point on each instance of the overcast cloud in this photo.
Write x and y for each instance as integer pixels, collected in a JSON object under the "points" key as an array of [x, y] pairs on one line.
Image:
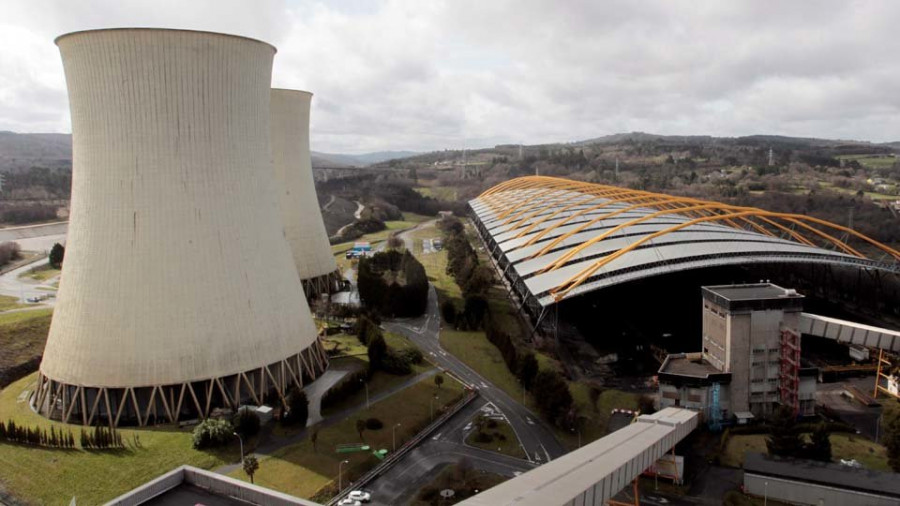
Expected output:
{"points": [[424, 75]]}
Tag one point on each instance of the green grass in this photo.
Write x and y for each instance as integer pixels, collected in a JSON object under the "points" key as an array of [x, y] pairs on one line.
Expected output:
{"points": [[48, 476], [8, 302], [409, 220], [40, 273], [596, 419], [503, 440], [22, 336], [843, 446], [870, 161], [303, 471], [850, 191], [445, 193]]}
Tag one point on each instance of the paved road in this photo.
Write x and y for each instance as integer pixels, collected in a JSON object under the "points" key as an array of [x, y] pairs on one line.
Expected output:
{"points": [[539, 442]]}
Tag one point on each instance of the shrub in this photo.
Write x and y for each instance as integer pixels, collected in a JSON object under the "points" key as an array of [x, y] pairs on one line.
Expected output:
{"points": [[298, 408], [347, 387], [374, 424], [395, 363], [483, 437], [246, 422], [411, 355], [211, 433]]}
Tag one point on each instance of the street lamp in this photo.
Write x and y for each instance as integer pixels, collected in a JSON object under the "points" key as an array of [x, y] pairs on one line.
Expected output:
{"points": [[394, 435], [765, 492], [367, 391], [341, 475], [432, 406], [242, 445]]}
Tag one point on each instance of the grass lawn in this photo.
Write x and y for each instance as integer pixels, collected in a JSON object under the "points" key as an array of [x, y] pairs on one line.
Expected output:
{"points": [[446, 193], [8, 302], [409, 220], [304, 471], [502, 440], [463, 481], [843, 446], [40, 273], [380, 381], [49, 476], [22, 337]]}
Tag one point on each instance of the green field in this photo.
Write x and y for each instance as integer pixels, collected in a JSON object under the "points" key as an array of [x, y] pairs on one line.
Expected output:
{"points": [[409, 220], [843, 446], [303, 471], [22, 336], [503, 440], [49, 476], [445, 193], [849, 191], [8, 302], [380, 381], [41, 273], [871, 161]]}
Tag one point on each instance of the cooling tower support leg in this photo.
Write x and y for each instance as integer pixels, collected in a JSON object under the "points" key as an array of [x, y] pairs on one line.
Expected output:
{"points": [[152, 404]]}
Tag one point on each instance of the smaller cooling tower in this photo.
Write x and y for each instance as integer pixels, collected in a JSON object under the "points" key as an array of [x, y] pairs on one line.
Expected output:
{"points": [[303, 225], [179, 294]]}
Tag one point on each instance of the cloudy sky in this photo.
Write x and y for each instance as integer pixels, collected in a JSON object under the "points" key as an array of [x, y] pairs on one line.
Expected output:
{"points": [[424, 75]]}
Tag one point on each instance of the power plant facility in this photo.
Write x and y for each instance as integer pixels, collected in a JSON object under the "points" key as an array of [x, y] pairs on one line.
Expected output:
{"points": [[303, 225], [181, 295], [556, 342], [750, 358]]}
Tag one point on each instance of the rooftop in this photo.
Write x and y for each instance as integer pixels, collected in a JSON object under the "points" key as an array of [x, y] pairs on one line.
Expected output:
{"points": [[688, 364], [754, 291], [834, 475]]}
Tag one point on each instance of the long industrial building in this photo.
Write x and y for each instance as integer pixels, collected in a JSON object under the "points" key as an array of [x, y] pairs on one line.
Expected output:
{"points": [[180, 293], [557, 238], [303, 225]]}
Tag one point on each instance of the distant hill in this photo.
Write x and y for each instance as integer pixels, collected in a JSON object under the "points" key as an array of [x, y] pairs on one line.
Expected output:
{"points": [[21, 151], [339, 160]]}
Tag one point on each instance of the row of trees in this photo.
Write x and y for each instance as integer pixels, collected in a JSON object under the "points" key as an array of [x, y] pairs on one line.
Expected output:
{"points": [[100, 438], [393, 283], [473, 278], [36, 436]]}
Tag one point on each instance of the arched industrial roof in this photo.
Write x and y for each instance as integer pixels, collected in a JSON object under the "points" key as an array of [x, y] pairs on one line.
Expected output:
{"points": [[557, 238]]}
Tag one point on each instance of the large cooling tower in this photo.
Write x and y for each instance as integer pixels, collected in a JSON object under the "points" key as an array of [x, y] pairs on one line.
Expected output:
{"points": [[179, 293], [303, 225]]}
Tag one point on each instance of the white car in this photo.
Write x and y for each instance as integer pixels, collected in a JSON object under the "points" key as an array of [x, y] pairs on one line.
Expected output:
{"points": [[349, 502], [359, 495]]}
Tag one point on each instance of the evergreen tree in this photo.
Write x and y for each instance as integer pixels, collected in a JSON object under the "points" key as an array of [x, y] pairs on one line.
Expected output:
{"points": [[820, 445], [784, 439], [57, 252], [377, 352], [528, 369]]}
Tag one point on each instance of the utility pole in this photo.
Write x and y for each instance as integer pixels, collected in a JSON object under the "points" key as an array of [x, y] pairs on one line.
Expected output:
{"points": [[617, 168]]}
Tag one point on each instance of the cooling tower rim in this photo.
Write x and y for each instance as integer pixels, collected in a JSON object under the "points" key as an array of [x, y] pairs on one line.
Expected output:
{"points": [[293, 91], [154, 29]]}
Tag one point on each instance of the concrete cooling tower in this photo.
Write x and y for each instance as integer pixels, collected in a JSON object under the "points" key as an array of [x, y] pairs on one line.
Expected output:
{"points": [[303, 225], [179, 294]]}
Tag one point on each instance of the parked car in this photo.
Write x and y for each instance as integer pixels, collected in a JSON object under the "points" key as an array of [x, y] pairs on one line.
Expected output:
{"points": [[33, 300], [360, 495], [349, 502]]}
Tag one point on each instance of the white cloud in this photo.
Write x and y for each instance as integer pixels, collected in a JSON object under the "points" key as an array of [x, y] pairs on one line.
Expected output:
{"points": [[430, 75]]}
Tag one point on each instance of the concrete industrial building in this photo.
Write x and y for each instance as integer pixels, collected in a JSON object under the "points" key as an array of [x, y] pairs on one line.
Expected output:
{"points": [[180, 294], [750, 358], [303, 225], [818, 483]]}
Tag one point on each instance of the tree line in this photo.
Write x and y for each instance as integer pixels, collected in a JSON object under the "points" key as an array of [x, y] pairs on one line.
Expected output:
{"points": [[393, 283], [100, 438]]}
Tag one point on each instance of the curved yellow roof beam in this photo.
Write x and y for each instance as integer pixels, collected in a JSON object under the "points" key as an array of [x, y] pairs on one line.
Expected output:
{"points": [[573, 282], [612, 191], [587, 224], [721, 217]]}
